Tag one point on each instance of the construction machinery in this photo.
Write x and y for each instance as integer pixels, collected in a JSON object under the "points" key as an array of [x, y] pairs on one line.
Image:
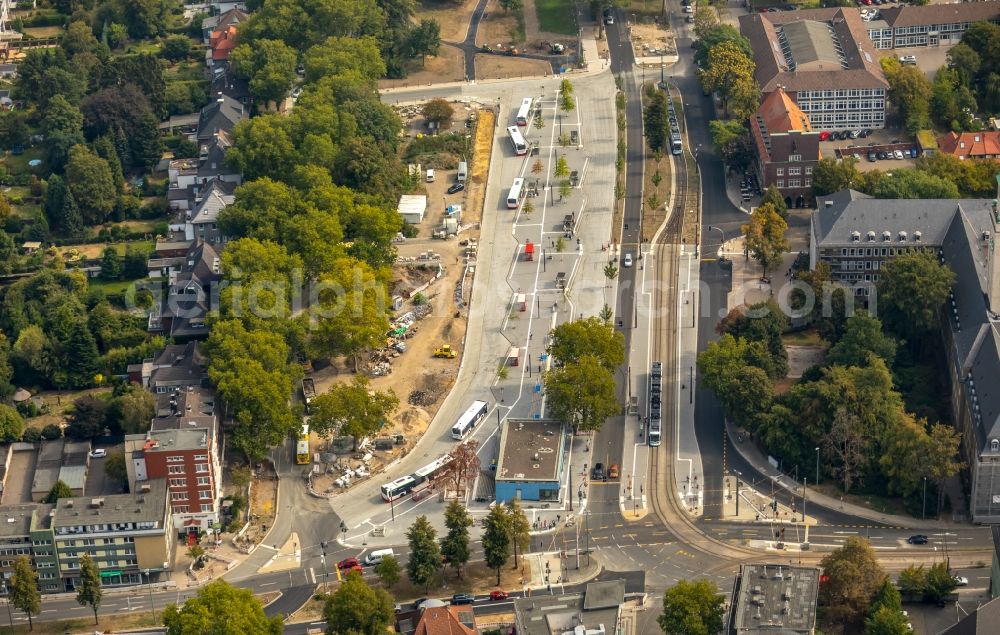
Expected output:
{"points": [[446, 352]]}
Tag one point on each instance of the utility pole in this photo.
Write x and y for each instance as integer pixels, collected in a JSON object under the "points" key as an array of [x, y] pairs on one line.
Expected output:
{"points": [[10, 617], [817, 465], [326, 575], [149, 585], [805, 481], [923, 510]]}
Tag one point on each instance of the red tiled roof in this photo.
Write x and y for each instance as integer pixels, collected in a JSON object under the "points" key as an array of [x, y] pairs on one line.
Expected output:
{"points": [[971, 144], [781, 114], [443, 620]]}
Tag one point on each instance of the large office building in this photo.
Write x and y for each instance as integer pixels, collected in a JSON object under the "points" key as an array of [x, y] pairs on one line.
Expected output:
{"points": [[930, 25], [824, 60], [857, 234]]}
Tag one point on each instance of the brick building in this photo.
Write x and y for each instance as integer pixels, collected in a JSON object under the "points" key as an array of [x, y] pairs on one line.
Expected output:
{"points": [[786, 148]]}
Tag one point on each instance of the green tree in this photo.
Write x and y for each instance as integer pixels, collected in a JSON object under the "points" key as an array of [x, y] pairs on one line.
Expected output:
{"points": [[853, 576], [388, 571], [89, 592], [218, 609], [83, 360], [497, 544], [23, 590], [352, 409], [269, 65], [765, 236], [62, 125], [562, 167], [913, 580], [887, 596], [715, 35], [455, 545], [910, 91], [424, 39], [59, 490], [356, 607], [863, 337], [114, 467], [11, 424], [520, 530], [914, 286], [831, 176], [729, 72], [581, 394], [134, 264], [570, 341], [111, 264], [425, 558], [89, 179], [692, 608], [940, 582], [887, 621], [132, 411], [344, 55], [965, 61], [176, 47], [654, 122], [774, 197], [438, 111], [565, 189]]}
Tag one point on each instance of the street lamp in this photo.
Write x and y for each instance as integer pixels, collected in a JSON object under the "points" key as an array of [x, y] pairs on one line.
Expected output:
{"points": [[923, 509], [817, 465], [149, 585], [322, 557]]}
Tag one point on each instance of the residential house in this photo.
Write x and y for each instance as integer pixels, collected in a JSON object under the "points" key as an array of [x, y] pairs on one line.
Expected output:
{"points": [[971, 145], [226, 82], [856, 234], [183, 446], [447, 620], [786, 148], [221, 43], [176, 366], [824, 61], [221, 115], [930, 25], [227, 17], [189, 297], [202, 221]]}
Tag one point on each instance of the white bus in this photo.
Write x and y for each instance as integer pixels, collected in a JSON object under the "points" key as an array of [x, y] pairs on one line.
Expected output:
{"points": [[468, 421], [516, 194], [524, 112], [398, 488], [429, 471], [517, 140]]}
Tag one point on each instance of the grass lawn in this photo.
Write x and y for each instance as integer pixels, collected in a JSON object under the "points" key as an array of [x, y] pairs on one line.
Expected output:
{"points": [[556, 16], [18, 164], [110, 287], [809, 337]]}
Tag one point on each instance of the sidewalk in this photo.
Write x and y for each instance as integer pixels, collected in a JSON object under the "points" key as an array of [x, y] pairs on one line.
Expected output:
{"points": [[756, 457]]}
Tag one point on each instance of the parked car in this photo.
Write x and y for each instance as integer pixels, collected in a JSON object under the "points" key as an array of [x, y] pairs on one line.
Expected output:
{"points": [[823, 136], [918, 539], [463, 598], [498, 595], [348, 563], [857, 157], [597, 474], [914, 153], [961, 581], [871, 157], [898, 154], [613, 471], [99, 453], [908, 60], [456, 187]]}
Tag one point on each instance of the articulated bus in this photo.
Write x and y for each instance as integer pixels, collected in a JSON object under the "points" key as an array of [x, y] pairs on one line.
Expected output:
{"points": [[302, 446], [655, 400], [473, 415], [524, 112], [517, 140], [406, 484], [516, 194]]}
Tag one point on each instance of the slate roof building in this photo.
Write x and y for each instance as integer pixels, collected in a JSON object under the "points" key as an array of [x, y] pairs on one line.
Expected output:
{"points": [[189, 296], [856, 234], [202, 221], [824, 61]]}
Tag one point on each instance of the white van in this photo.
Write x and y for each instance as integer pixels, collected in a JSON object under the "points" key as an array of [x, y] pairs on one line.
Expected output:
{"points": [[376, 556], [463, 171], [430, 175]]}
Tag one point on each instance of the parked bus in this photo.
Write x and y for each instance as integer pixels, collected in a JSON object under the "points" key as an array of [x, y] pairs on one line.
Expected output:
{"points": [[524, 112], [468, 421], [517, 140], [516, 194], [302, 446], [398, 488]]}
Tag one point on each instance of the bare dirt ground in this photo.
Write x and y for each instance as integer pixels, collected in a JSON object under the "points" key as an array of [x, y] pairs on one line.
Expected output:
{"points": [[448, 66], [499, 67], [57, 401], [263, 498], [497, 27], [649, 40], [453, 18]]}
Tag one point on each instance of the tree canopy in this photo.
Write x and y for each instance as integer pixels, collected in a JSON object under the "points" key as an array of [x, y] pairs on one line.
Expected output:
{"points": [[356, 607], [220, 609], [692, 608]]}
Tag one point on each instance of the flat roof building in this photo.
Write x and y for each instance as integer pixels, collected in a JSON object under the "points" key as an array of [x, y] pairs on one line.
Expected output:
{"points": [[596, 611], [929, 25], [532, 457], [772, 599]]}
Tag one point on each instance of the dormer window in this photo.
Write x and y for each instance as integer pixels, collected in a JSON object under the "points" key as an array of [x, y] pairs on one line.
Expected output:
{"points": [[995, 445], [886, 236], [871, 236]]}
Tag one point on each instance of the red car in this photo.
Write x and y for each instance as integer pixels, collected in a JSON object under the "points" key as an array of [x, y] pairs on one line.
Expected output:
{"points": [[498, 595], [349, 563], [823, 136], [613, 471]]}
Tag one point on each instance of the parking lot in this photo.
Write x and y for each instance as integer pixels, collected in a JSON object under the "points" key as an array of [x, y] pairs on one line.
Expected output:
{"points": [[877, 140]]}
